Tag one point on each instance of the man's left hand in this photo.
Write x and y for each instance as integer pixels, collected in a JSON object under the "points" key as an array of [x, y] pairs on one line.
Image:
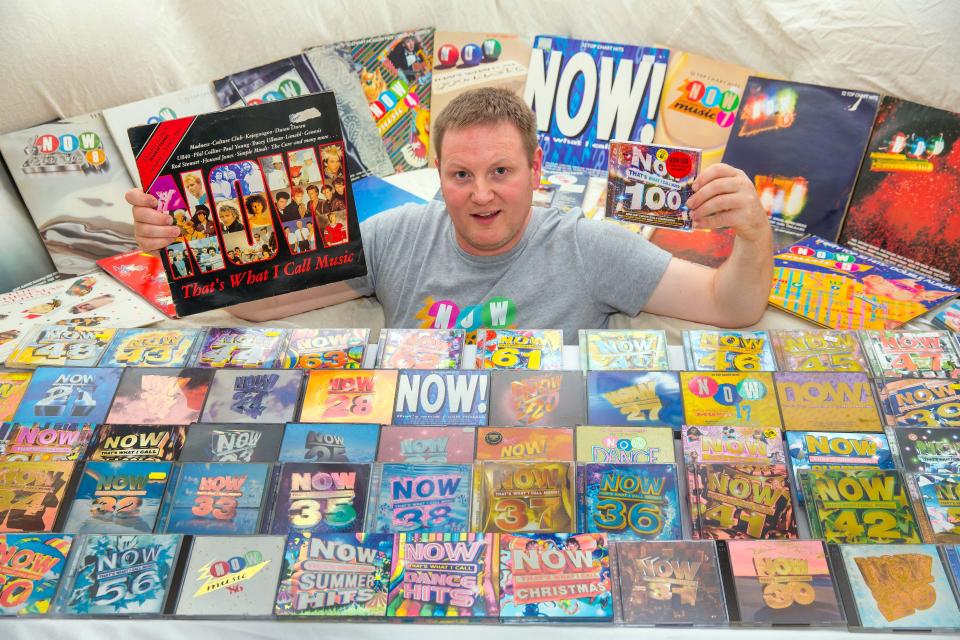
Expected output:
{"points": [[724, 197]]}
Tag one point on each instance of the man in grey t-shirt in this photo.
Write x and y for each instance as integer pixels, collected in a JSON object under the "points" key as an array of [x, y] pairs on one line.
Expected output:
{"points": [[488, 258]]}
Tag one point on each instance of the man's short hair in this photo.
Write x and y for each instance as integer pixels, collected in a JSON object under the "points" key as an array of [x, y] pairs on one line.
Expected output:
{"points": [[313, 188], [487, 106]]}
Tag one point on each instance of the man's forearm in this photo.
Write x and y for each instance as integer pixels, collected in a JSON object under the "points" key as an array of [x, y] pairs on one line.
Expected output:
{"points": [[295, 302], [741, 286]]}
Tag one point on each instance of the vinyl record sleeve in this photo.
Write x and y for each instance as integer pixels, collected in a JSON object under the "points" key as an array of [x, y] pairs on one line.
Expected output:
{"points": [[244, 176]]}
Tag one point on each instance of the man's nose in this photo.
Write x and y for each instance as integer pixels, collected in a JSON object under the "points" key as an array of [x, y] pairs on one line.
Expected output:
{"points": [[482, 192]]}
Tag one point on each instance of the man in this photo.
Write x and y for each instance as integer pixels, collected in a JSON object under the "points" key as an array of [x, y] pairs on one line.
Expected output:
{"points": [[555, 270], [338, 201], [314, 203], [230, 218], [194, 187], [303, 239], [297, 209], [282, 199], [277, 177], [334, 232]]}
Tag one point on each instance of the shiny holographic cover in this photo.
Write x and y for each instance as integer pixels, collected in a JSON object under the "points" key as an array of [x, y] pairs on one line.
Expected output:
{"points": [[555, 576], [467, 563]]}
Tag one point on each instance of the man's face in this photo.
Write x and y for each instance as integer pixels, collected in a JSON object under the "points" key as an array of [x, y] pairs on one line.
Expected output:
{"points": [[282, 202], [338, 187], [195, 188], [487, 183], [332, 163]]}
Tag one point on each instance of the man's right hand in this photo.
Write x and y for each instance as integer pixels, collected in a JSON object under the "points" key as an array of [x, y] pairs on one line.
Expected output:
{"points": [[152, 229]]}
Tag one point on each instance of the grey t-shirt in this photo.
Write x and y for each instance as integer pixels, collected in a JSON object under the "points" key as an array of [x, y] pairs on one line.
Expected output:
{"points": [[566, 272]]}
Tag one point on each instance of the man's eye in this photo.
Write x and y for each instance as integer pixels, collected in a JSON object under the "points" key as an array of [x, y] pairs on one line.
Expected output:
{"points": [[501, 171], [460, 175]]}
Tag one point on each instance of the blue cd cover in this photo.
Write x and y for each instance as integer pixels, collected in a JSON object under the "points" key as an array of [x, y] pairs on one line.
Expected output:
{"points": [[631, 501], [303, 442], [119, 575], [218, 498], [634, 398], [253, 396], [423, 498], [72, 395], [118, 497]]}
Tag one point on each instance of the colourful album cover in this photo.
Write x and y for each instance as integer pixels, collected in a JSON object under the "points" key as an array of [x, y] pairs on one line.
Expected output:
{"points": [[563, 576], [466, 564], [61, 346], [948, 318], [783, 582], [422, 498], [604, 349], [815, 350], [13, 384], [801, 145], [119, 575], [537, 398], [426, 398], [31, 494], [737, 445], [581, 139], [729, 398], [355, 443], [519, 349], [72, 180], [39, 442], [160, 396], [724, 350], [253, 396], [420, 348], [649, 184], [630, 501], [699, 103], [919, 402], [464, 61], [363, 396], [859, 505], [231, 576], [325, 349], [251, 219], [71, 395], [240, 348], [896, 586], [822, 451], [939, 502], [118, 497], [427, 445], [131, 442], [232, 443], [151, 348], [625, 445], [320, 498], [904, 208], [928, 450], [335, 574], [142, 273], [634, 398], [741, 501], [524, 497], [912, 354], [222, 498], [366, 154], [841, 288], [524, 443], [670, 583], [30, 569], [826, 401], [395, 72]]}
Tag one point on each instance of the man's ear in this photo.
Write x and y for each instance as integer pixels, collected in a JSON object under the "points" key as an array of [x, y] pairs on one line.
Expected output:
{"points": [[536, 167]]}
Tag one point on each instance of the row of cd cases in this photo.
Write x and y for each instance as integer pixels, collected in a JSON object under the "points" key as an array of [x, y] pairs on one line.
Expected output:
{"points": [[539, 578]]}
